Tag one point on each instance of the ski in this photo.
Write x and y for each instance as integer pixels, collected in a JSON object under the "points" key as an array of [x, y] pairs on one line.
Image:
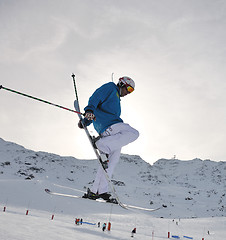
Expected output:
{"points": [[127, 206], [61, 194], [74, 196]]}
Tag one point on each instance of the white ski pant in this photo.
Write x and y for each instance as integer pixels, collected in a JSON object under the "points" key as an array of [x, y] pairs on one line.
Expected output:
{"points": [[111, 142]]}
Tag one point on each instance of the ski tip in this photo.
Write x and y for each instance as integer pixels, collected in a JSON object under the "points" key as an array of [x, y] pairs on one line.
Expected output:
{"points": [[47, 190]]}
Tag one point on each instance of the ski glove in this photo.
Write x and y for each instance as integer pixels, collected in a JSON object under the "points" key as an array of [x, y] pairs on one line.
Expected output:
{"points": [[90, 116]]}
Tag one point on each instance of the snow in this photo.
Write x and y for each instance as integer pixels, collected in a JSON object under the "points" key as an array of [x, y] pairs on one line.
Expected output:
{"points": [[24, 174]]}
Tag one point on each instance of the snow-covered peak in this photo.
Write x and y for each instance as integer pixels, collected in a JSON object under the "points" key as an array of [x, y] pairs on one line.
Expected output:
{"points": [[194, 188]]}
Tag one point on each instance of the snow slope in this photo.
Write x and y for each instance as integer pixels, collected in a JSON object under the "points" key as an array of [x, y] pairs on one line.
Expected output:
{"points": [[194, 192], [15, 225]]}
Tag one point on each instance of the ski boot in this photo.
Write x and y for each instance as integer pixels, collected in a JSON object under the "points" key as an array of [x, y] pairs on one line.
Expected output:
{"points": [[104, 156], [105, 164], [106, 196], [90, 195], [112, 200], [94, 140]]}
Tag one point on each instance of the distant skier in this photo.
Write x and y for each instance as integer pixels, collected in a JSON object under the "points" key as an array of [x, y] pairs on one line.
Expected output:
{"points": [[104, 227], [103, 110], [133, 232], [77, 221]]}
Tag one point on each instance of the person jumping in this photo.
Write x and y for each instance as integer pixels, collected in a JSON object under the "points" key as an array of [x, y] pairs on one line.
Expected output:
{"points": [[104, 110]]}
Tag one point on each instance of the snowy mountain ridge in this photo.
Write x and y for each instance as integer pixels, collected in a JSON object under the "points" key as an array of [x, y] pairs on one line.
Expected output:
{"points": [[194, 188]]}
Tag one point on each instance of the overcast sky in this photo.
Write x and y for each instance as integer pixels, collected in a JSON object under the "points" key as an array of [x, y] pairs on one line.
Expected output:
{"points": [[173, 49]]}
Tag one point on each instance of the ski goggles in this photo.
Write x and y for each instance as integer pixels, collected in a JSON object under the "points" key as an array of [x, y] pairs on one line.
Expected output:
{"points": [[129, 88]]}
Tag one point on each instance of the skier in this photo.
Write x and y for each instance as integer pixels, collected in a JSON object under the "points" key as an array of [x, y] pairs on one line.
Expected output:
{"points": [[103, 110], [104, 227], [133, 232], [77, 221]]}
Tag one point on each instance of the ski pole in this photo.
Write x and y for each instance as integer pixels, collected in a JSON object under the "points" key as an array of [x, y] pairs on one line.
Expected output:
{"points": [[38, 99], [76, 93]]}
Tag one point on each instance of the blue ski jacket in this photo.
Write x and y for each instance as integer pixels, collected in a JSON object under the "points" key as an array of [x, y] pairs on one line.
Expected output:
{"points": [[105, 105]]}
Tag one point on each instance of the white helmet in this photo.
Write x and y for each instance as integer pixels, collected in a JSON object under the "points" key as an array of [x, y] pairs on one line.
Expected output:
{"points": [[128, 82]]}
